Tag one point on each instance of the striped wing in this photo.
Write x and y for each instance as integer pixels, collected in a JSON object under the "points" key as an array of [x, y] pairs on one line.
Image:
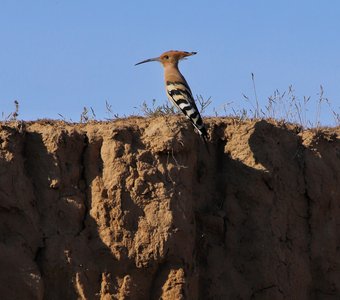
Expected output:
{"points": [[180, 95]]}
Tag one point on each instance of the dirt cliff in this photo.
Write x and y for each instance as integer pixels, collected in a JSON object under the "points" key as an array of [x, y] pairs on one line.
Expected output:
{"points": [[138, 209]]}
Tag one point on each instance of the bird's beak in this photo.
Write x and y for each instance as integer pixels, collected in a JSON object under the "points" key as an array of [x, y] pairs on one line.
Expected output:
{"points": [[148, 60]]}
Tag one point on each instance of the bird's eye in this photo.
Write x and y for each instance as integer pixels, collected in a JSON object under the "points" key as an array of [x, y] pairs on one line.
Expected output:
{"points": [[166, 57]]}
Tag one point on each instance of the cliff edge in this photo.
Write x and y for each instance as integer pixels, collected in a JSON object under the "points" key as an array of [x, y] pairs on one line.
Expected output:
{"points": [[138, 209]]}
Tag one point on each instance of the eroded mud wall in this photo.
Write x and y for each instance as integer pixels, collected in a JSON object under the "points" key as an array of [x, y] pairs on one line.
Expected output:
{"points": [[138, 209]]}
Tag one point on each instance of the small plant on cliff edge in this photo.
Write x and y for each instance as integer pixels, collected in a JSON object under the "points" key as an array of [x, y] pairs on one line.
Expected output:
{"points": [[109, 111], [203, 103], [156, 110], [168, 109], [336, 117], [13, 116], [85, 117], [283, 107]]}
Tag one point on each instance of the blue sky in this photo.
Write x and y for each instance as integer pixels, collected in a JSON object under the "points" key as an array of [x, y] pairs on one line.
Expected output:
{"points": [[58, 56]]}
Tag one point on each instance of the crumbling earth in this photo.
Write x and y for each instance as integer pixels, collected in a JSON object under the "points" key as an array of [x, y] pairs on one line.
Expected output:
{"points": [[138, 209]]}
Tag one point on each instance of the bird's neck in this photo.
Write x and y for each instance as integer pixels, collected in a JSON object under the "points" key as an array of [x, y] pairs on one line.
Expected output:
{"points": [[172, 73]]}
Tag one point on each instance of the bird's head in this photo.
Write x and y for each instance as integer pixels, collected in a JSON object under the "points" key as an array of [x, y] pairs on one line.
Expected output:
{"points": [[171, 57]]}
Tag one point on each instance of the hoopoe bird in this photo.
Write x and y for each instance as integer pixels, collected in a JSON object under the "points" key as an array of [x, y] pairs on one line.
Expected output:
{"points": [[177, 88]]}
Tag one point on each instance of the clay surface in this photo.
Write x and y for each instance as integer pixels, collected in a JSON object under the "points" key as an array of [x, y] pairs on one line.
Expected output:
{"points": [[138, 209]]}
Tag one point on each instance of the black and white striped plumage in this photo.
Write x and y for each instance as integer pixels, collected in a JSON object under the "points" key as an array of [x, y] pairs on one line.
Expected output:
{"points": [[178, 90], [180, 95]]}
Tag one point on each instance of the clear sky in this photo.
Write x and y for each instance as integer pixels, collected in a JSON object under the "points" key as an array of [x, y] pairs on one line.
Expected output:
{"points": [[58, 56]]}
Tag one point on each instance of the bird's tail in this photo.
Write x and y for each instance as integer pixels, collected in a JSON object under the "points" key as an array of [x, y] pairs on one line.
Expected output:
{"points": [[204, 134]]}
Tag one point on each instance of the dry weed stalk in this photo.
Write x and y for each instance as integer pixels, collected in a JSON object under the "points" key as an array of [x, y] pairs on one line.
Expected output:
{"points": [[13, 116]]}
